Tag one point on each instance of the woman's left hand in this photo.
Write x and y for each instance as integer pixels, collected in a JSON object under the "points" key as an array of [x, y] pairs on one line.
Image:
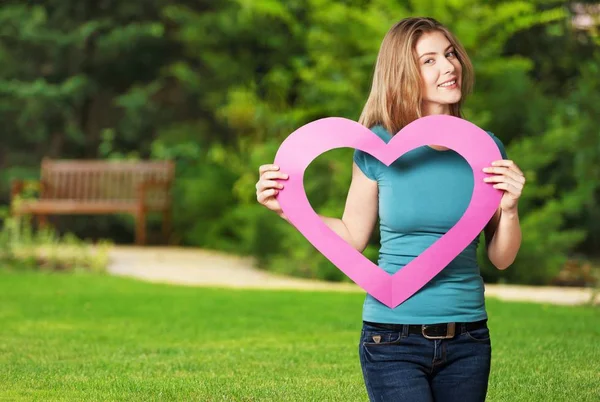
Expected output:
{"points": [[507, 177]]}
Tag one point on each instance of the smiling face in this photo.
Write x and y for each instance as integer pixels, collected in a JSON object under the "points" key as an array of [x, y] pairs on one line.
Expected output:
{"points": [[441, 73], [406, 86]]}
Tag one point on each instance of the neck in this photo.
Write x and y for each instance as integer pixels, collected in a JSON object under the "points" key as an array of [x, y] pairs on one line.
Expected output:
{"points": [[435, 109]]}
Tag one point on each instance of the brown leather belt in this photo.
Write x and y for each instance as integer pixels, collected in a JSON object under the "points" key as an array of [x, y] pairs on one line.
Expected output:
{"points": [[433, 331]]}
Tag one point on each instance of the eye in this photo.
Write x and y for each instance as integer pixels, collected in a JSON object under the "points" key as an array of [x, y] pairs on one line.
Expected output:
{"points": [[428, 61], [451, 54]]}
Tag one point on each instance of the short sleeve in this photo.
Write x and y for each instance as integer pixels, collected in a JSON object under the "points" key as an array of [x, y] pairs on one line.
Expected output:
{"points": [[364, 162], [367, 163], [499, 144]]}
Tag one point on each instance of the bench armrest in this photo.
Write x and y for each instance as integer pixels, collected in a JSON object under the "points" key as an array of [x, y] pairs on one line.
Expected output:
{"points": [[146, 185], [18, 186], [154, 183]]}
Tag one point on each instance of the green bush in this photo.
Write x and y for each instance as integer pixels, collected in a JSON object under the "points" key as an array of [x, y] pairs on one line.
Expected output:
{"points": [[217, 86], [22, 246]]}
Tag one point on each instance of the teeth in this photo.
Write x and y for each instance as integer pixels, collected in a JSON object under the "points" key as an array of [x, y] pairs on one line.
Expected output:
{"points": [[447, 84]]}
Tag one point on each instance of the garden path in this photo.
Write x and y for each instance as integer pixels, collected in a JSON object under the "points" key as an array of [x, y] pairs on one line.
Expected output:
{"points": [[198, 267]]}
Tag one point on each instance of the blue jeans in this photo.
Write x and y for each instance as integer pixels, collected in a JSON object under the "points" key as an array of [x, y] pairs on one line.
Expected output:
{"points": [[398, 366]]}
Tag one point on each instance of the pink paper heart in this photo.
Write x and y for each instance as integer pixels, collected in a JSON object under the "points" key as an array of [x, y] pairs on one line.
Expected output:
{"points": [[311, 140]]}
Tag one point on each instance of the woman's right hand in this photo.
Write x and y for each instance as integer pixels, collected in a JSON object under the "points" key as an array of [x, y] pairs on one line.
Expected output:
{"points": [[267, 187]]}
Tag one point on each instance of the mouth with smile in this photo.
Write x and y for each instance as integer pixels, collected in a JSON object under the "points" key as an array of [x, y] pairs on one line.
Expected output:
{"points": [[449, 84]]}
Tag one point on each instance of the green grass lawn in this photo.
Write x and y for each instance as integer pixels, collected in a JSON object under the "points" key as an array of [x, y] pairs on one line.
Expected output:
{"points": [[98, 338]]}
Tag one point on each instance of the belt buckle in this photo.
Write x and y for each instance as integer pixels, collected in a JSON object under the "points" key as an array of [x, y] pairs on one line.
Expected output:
{"points": [[450, 331]]}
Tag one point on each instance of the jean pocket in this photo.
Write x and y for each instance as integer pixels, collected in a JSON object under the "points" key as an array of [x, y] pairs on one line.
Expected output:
{"points": [[479, 335], [381, 338]]}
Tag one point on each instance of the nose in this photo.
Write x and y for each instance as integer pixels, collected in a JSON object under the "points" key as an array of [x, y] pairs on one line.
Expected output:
{"points": [[447, 67]]}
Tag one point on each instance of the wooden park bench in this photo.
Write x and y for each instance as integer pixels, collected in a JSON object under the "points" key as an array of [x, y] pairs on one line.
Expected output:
{"points": [[69, 187]]}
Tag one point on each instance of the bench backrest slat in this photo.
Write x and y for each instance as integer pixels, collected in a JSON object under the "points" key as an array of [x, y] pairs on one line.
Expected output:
{"points": [[102, 181]]}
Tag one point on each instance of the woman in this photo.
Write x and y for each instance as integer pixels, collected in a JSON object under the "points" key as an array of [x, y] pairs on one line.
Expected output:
{"points": [[436, 345]]}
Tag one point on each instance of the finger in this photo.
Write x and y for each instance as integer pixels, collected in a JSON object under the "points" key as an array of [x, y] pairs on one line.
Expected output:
{"points": [[506, 171], [264, 195], [271, 175], [509, 188], [509, 164], [504, 179], [268, 184], [265, 168], [260, 186]]}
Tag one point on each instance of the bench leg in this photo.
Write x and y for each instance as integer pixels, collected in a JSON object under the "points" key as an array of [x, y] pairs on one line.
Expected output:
{"points": [[140, 228], [166, 225], [42, 221]]}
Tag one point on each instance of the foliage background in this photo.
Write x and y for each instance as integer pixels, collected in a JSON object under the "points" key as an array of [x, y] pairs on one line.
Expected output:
{"points": [[216, 86]]}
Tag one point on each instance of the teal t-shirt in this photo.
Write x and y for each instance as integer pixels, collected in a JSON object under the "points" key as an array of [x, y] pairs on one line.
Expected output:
{"points": [[421, 196]]}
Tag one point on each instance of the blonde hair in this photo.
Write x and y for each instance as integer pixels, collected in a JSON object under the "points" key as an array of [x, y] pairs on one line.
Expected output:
{"points": [[396, 93]]}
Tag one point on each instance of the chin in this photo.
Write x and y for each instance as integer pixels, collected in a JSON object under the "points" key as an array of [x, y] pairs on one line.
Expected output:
{"points": [[452, 100], [443, 101]]}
